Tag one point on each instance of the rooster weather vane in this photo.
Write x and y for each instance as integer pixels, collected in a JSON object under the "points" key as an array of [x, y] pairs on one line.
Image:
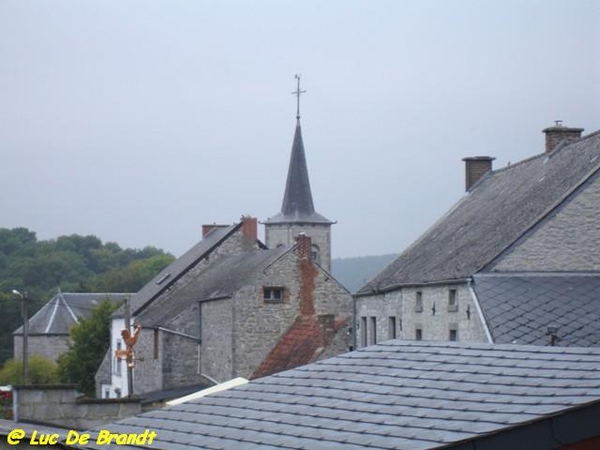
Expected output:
{"points": [[130, 340]]}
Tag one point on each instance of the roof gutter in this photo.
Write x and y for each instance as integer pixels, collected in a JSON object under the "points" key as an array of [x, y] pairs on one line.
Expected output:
{"points": [[395, 287]]}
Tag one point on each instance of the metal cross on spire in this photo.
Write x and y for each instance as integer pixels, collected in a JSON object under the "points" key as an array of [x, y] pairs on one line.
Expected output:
{"points": [[298, 93]]}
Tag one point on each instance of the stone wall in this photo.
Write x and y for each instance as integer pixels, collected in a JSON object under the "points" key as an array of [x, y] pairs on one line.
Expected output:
{"points": [[59, 405], [148, 372], [284, 234], [216, 354], [435, 319], [568, 240], [48, 346]]}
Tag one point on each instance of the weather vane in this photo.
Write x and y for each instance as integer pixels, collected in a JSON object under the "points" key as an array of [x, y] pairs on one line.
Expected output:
{"points": [[298, 93]]}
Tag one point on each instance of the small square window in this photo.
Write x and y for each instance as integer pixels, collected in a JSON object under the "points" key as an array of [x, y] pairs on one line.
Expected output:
{"points": [[453, 335], [273, 294], [452, 300], [418, 334], [418, 301]]}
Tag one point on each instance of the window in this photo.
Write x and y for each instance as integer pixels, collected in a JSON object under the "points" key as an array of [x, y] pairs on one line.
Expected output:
{"points": [[373, 330], [315, 254], [419, 334], [453, 335], [273, 294], [118, 360], [392, 327], [363, 331], [419, 302], [452, 300]]}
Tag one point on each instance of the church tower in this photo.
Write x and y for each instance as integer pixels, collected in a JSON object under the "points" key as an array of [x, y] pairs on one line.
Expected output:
{"points": [[298, 213]]}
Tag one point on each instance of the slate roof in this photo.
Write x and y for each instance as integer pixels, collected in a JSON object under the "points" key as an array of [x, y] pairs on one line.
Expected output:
{"points": [[397, 395], [179, 267], [519, 307], [220, 279], [297, 201], [499, 209], [65, 310]]}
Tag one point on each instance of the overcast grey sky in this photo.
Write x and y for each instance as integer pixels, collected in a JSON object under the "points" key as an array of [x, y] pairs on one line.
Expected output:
{"points": [[137, 121]]}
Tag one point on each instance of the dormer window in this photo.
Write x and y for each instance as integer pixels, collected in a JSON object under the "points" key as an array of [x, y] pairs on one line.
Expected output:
{"points": [[273, 294]]}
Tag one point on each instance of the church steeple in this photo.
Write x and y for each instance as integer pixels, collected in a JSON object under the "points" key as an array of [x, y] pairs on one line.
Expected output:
{"points": [[298, 213], [297, 205]]}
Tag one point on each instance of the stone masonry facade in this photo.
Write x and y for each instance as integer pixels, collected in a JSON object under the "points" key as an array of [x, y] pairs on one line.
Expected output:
{"points": [[48, 346], [568, 240], [277, 234], [439, 312], [224, 338]]}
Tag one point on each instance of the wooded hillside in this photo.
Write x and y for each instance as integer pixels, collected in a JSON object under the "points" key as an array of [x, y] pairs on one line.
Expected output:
{"points": [[72, 263]]}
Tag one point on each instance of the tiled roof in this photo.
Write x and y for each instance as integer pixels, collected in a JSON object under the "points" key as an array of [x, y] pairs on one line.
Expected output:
{"points": [[519, 307], [177, 268], [396, 395], [302, 344], [220, 279], [499, 209], [65, 310], [297, 200]]}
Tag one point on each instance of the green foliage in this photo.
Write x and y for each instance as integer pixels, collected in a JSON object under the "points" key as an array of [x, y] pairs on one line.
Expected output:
{"points": [[90, 341], [72, 263], [41, 371]]}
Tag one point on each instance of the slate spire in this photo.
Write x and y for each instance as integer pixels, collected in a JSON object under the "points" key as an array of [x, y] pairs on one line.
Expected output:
{"points": [[298, 196], [297, 206]]}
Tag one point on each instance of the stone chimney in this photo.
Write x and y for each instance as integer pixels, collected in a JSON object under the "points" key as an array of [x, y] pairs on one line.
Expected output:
{"points": [[208, 228], [559, 134], [250, 228], [475, 168]]}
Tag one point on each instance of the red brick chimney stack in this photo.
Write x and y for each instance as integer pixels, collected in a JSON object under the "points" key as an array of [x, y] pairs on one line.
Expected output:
{"points": [[304, 246], [559, 134], [250, 228], [475, 168]]}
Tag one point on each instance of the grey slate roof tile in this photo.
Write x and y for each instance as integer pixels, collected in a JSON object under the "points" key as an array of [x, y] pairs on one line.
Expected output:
{"points": [[569, 301], [181, 265], [220, 279], [65, 309], [348, 403], [496, 212]]}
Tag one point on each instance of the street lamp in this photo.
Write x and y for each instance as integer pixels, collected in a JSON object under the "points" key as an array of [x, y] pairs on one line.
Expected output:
{"points": [[25, 316]]}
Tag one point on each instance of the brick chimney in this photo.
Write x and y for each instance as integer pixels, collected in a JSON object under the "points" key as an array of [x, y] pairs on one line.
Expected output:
{"points": [[208, 228], [475, 168], [559, 134], [304, 246], [250, 228]]}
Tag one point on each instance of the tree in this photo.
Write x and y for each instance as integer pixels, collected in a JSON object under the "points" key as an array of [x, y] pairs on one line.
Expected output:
{"points": [[90, 341], [41, 371]]}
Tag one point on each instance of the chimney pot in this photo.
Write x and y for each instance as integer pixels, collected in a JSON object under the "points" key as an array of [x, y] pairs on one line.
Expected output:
{"points": [[475, 168], [559, 134]]}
